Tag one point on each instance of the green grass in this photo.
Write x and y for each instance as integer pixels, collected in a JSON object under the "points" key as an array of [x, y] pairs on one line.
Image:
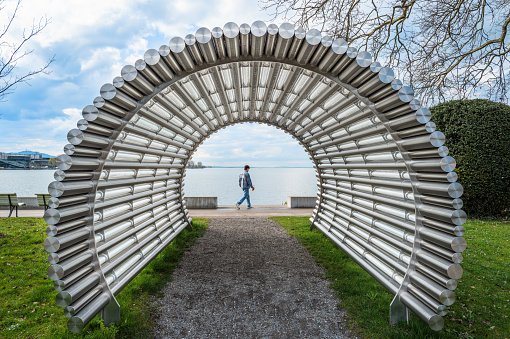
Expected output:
{"points": [[482, 307], [27, 297]]}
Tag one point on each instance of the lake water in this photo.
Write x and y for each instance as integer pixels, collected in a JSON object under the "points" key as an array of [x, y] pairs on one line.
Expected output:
{"points": [[272, 185]]}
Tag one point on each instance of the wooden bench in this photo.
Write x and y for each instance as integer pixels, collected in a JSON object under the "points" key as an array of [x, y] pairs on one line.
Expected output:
{"points": [[43, 199], [11, 200]]}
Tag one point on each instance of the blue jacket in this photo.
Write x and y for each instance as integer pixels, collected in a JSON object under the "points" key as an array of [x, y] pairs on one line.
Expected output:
{"points": [[245, 180]]}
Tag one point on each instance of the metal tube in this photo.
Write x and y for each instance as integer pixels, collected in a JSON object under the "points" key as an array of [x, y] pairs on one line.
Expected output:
{"points": [[53, 230], [70, 149], [55, 216], [441, 152], [285, 37], [386, 91], [70, 295], [77, 137], [158, 65], [434, 321], [445, 227], [367, 74], [437, 177], [435, 139], [350, 54], [191, 44], [85, 126], [205, 41], [322, 48], [231, 34], [126, 88], [217, 34], [446, 164], [142, 67], [55, 258], [178, 48], [68, 266], [61, 175], [447, 268], [110, 93], [259, 36], [84, 316], [383, 79], [299, 36], [74, 308], [136, 79], [169, 59], [106, 106], [362, 62], [244, 36], [272, 34], [442, 252], [454, 243], [62, 189], [92, 114], [67, 281], [56, 243], [419, 118], [404, 95], [312, 40], [128, 182]]}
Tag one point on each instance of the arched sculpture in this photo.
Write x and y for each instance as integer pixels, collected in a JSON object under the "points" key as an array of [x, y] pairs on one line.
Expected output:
{"points": [[387, 193]]}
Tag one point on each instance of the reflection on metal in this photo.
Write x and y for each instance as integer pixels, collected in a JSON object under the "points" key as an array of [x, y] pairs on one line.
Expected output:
{"points": [[387, 195]]}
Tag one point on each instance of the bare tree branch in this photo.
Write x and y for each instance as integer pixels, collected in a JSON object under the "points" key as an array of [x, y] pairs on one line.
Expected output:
{"points": [[12, 52], [449, 49]]}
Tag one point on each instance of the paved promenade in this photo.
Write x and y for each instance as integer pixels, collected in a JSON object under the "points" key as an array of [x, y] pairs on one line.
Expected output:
{"points": [[262, 211]]}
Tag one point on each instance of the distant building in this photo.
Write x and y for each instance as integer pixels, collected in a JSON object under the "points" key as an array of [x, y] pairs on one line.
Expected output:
{"points": [[24, 160]]}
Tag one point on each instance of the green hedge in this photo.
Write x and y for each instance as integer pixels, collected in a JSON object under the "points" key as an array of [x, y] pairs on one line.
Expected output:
{"points": [[478, 136]]}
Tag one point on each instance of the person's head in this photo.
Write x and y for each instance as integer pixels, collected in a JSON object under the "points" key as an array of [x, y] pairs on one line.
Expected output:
{"points": [[246, 167]]}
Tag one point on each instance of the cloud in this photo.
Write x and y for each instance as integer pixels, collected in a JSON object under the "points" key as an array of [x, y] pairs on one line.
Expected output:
{"points": [[92, 41], [262, 145], [46, 136]]}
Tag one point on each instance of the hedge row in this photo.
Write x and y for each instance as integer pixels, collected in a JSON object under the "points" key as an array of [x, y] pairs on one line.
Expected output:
{"points": [[478, 136]]}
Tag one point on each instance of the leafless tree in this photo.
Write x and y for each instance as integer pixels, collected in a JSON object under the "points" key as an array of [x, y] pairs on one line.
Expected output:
{"points": [[12, 52], [446, 48]]}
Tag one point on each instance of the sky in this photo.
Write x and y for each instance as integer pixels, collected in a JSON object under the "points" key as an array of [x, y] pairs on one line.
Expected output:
{"points": [[91, 41]]}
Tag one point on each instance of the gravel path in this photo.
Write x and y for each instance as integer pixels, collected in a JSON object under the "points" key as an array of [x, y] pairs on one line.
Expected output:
{"points": [[247, 278]]}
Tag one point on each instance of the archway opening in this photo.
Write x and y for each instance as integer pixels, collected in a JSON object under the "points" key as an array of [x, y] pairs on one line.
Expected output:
{"points": [[280, 167]]}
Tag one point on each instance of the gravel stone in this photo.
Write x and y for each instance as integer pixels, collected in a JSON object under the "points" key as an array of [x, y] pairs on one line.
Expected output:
{"points": [[247, 278]]}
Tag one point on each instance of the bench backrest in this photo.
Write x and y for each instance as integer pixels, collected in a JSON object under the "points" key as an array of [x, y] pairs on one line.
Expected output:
{"points": [[43, 199], [4, 199]]}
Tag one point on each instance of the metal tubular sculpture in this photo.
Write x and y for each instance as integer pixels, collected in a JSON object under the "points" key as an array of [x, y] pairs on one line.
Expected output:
{"points": [[387, 195]]}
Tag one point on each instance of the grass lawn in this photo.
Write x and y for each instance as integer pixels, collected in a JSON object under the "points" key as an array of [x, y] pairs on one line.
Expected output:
{"points": [[27, 297], [482, 306]]}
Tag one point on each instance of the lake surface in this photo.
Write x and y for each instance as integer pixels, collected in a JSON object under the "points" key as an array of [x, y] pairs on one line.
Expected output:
{"points": [[272, 185]]}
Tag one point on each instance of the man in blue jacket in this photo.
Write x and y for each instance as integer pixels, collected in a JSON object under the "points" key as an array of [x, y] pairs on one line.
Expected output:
{"points": [[245, 183]]}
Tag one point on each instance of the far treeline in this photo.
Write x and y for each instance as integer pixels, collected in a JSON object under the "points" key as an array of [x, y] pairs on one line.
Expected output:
{"points": [[192, 164], [478, 137]]}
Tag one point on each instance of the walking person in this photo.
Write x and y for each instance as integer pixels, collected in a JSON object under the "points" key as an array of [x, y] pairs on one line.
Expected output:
{"points": [[245, 183]]}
